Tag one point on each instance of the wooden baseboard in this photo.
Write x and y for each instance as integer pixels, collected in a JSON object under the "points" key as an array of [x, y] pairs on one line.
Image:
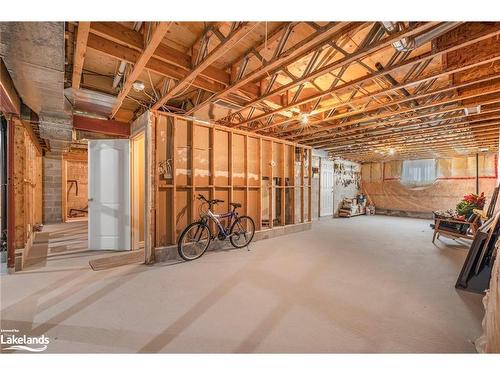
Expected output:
{"points": [[117, 260]]}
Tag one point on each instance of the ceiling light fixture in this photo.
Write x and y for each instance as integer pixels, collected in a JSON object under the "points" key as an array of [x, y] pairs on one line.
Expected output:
{"points": [[472, 110], [304, 118], [138, 86], [391, 151], [484, 149]]}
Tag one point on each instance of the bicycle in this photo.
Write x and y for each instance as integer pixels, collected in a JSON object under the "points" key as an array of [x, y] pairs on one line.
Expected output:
{"points": [[197, 236]]}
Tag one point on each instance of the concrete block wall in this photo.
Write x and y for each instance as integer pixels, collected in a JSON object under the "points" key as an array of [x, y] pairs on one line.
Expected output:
{"points": [[52, 188]]}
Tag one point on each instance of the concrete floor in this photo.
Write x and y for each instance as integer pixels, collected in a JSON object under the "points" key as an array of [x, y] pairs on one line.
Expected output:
{"points": [[364, 284]]}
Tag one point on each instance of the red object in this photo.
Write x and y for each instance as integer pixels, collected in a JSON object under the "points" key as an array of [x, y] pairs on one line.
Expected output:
{"points": [[95, 125], [476, 200]]}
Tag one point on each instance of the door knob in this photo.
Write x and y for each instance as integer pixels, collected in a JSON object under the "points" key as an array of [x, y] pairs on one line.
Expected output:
{"points": [[90, 200]]}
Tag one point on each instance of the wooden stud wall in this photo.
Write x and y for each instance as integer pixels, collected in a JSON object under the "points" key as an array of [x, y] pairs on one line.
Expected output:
{"points": [[226, 164], [69, 162], [27, 184]]}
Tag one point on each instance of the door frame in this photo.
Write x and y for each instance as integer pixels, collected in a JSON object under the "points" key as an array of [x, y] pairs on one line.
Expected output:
{"points": [[321, 180], [64, 183], [134, 211]]}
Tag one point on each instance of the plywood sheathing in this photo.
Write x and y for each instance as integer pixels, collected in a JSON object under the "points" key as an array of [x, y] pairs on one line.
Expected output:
{"points": [[455, 178]]}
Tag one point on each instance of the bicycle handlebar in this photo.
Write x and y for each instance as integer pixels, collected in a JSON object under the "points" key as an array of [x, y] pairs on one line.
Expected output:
{"points": [[211, 201]]}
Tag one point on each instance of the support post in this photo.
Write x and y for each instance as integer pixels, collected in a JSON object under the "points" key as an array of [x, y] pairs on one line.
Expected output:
{"points": [[477, 173], [11, 217]]}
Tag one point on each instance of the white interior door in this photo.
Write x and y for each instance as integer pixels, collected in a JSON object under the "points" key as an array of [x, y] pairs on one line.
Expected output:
{"points": [[109, 194], [326, 193]]}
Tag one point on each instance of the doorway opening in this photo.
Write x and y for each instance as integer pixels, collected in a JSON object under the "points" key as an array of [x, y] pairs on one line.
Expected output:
{"points": [[137, 190]]}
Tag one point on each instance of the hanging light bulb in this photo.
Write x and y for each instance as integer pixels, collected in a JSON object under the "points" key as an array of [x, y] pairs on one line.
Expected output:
{"points": [[391, 151], [138, 86], [304, 118]]}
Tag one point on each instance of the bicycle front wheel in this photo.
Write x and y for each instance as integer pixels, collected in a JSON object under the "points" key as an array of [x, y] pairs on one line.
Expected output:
{"points": [[242, 231], [194, 241]]}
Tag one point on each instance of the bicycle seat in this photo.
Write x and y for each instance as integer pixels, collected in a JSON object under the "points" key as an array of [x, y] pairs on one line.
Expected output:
{"points": [[235, 205]]}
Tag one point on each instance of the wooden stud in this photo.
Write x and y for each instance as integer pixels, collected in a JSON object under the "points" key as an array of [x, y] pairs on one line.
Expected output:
{"points": [[81, 47], [174, 182], [213, 56], [156, 37], [309, 187]]}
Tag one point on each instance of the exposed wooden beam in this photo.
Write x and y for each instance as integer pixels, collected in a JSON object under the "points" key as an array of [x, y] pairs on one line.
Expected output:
{"points": [[157, 35], [121, 52], [79, 57], [292, 54], [174, 60], [415, 138], [346, 60], [350, 134], [405, 131], [235, 37], [486, 135], [418, 150], [469, 40], [94, 125], [376, 107], [422, 153], [313, 134]]}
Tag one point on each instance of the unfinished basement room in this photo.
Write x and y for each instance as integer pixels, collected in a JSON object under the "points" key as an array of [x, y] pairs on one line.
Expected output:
{"points": [[250, 186]]}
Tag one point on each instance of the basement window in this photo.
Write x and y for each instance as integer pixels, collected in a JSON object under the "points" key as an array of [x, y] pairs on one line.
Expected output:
{"points": [[418, 173]]}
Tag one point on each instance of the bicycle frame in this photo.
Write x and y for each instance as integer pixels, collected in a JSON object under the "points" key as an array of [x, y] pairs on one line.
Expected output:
{"points": [[209, 215]]}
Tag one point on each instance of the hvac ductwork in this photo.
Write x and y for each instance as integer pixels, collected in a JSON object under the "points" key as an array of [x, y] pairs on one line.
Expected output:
{"points": [[34, 55], [413, 42]]}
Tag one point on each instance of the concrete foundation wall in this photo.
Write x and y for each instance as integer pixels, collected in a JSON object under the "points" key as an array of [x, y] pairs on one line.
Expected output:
{"points": [[52, 188]]}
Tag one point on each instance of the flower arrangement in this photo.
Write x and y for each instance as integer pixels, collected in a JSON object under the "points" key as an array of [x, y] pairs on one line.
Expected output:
{"points": [[469, 203]]}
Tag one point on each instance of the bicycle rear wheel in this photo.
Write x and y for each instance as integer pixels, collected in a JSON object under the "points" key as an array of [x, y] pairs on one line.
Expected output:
{"points": [[194, 241], [242, 231]]}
